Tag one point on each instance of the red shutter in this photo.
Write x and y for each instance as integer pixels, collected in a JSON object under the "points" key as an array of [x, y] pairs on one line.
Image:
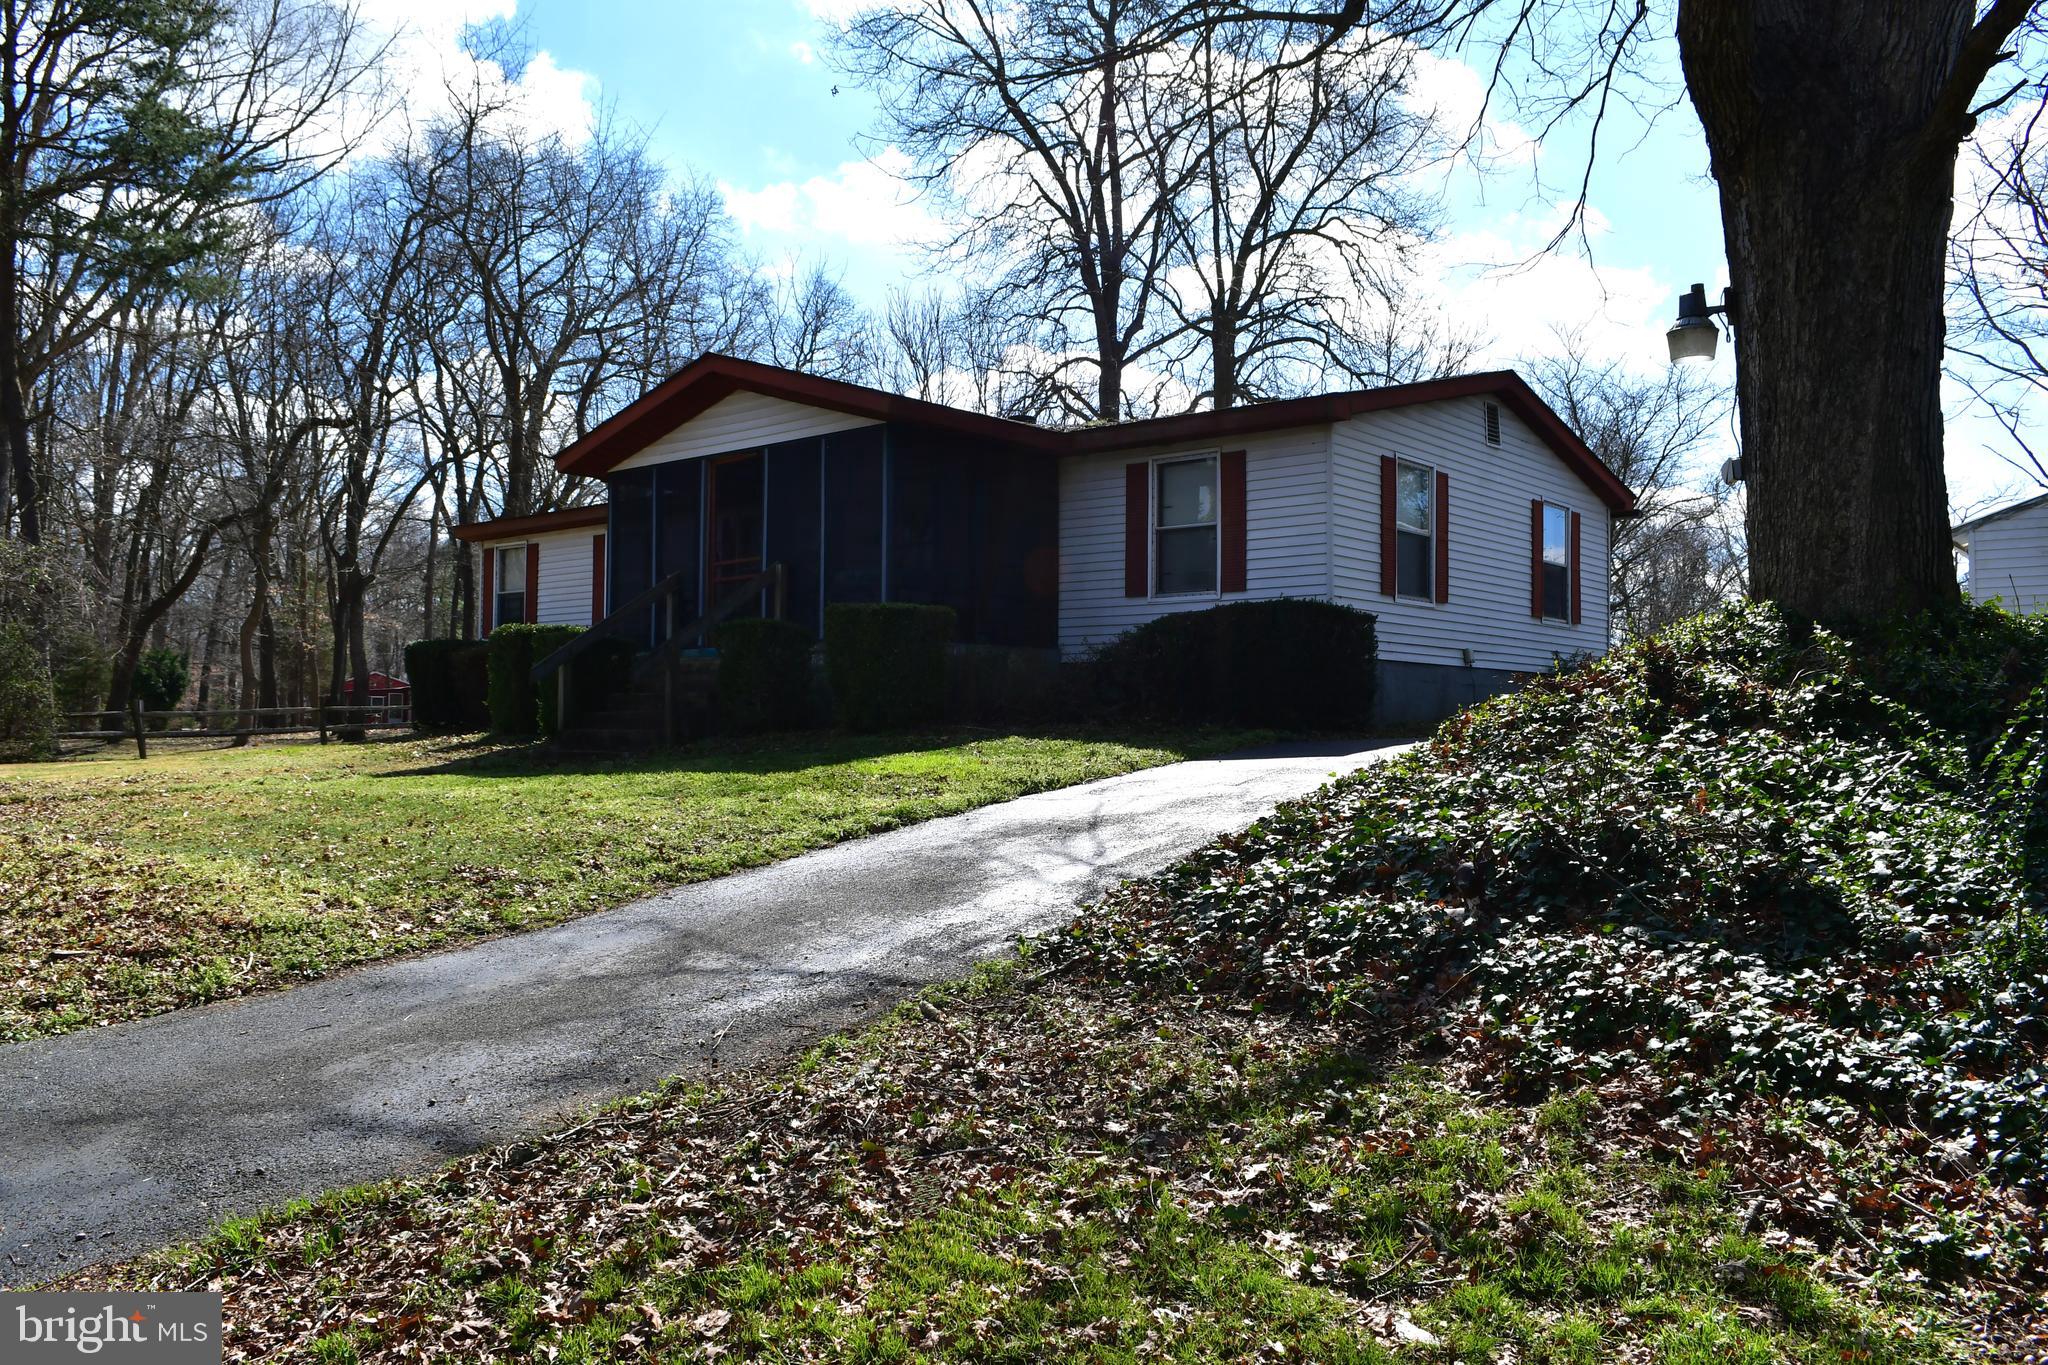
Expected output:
{"points": [[1137, 526], [1389, 579], [1536, 558], [597, 578], [483, 616], [1575, 568], [532, 582], [1231, 514], [1443, 536]]}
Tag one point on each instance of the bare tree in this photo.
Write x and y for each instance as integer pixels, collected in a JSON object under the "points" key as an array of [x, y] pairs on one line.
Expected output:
{"points": [[1294, 232], [814, 325], [549, 238], [1045, 139], [374, 242], [131, 138], [1998, 334]]}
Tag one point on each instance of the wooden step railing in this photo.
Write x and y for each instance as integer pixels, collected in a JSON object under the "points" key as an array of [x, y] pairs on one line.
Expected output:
{"points": [[666, 656]]}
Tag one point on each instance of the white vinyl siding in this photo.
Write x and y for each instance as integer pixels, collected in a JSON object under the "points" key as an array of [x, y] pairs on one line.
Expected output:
{"points": [[2009, 559], [1491, 488], [1287, 544], [564, 574], [743, 421]]}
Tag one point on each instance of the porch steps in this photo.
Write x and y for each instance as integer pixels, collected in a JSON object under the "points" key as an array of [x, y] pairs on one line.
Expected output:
{"points": [[630, 719]]}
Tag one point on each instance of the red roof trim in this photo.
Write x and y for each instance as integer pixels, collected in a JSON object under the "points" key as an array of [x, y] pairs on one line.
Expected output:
{"points": [[709, 378], [706, 380], [1505, 385], [516, 528]]}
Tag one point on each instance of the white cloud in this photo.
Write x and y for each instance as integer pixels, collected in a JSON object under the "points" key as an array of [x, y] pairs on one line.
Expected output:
{"points": [[861, 204], [803, 52], [424, 59], [836, 12], [1456, 95]]}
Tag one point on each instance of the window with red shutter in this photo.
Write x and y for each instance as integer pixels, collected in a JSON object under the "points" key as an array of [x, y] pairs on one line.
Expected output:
{"points": [[1231, 493], [1137, 529], [1443, 536]]}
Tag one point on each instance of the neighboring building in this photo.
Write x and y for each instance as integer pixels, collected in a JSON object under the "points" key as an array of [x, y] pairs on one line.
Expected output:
{"points": [[2007, 554], [1462, 512], [393, 695], [547, 569]]}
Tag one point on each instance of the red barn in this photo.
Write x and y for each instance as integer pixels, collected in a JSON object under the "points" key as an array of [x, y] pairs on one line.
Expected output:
{"points": [[393, 695]]}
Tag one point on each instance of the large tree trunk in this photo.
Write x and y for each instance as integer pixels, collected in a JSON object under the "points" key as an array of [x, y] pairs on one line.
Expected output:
{"points": [[1835, 173], [18, 491], [252, 622], [1222, 360]]}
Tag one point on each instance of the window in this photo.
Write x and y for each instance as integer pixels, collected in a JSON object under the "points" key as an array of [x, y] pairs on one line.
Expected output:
{"points": [[1414, 529], [1493, 424], [509, 602], [1557, 563], [1184, 546]]}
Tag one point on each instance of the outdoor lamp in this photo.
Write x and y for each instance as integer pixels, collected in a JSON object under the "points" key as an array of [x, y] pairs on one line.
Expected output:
{"points": [[1695, 336]]}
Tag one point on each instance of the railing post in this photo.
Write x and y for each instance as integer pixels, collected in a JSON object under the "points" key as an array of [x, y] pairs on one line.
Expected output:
{"points": [[135, 715], [781, 590], [561, 699], [320, 713]]}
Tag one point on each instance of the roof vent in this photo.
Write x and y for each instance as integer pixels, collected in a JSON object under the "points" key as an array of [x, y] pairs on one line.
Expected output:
{"points": [[1493, 424]]}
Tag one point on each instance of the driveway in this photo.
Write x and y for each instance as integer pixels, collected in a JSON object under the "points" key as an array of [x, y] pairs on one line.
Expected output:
{"points": [[115, 1140]]}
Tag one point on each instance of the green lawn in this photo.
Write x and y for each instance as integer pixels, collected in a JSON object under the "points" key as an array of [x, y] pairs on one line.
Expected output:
{"points": [[1020, 1170], [130, 888]]}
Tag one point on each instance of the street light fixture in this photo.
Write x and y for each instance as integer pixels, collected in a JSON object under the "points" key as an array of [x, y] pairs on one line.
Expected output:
{"points": [[1695, 336]]}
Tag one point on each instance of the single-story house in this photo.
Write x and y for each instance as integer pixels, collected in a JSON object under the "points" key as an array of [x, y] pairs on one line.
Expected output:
{"points": [[2006, 554], [1462, 512]]}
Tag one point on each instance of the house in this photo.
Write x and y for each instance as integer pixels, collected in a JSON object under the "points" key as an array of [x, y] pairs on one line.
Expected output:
{"points": [[1462, 512], [2007, 554], [547, 569], [393, 696]]}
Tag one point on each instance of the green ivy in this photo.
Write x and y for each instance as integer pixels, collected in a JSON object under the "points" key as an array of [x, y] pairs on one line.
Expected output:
{"points": [[1754, 855]]}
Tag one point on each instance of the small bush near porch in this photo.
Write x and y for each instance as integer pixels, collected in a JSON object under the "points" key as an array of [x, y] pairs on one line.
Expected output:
{"points": [[128, 889]]}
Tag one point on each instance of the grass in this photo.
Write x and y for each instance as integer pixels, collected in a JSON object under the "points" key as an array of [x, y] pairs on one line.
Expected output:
{"points": [[1016, 1169], [130, 888]]}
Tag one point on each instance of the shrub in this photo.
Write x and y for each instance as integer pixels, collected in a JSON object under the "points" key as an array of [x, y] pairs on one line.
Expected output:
{"points": [[161, 677], [450, 684], [887, 663], [764, 675], [1290, 663], [80, 672], [28, 713], [516, 707]]}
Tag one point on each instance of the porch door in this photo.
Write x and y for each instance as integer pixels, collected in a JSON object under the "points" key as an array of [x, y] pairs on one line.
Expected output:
{"points": [[735, 524]]}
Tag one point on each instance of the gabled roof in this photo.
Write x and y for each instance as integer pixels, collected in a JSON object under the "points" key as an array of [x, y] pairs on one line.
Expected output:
{"points": [[1504, 386], [505, 528], [709, 378], [1999, 514]]}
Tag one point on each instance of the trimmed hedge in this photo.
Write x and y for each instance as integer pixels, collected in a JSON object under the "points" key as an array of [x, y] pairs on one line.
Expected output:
{"points": [[517, 707], [887, 663], [1289, 663], [764, 675], [28, 713], [450, 684]]}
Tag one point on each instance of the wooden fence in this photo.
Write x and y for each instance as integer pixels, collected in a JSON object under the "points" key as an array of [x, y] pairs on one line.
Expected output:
{"points": [[141, 726]]}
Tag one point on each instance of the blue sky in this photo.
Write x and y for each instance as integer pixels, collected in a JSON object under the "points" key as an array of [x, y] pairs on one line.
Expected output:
{"points": [[739, 92]]}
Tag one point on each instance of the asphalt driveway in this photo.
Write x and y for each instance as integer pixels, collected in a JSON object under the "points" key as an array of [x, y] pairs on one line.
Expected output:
{"points": [[114, 1140]]}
